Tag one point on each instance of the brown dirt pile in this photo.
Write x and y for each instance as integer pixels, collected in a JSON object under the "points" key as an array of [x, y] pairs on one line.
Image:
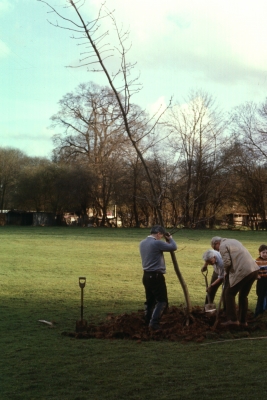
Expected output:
{"points": [[173, 327]]}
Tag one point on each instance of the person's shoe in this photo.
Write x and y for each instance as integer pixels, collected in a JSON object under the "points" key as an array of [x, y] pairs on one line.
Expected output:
{"points": [[229, 323], [154, 327]]}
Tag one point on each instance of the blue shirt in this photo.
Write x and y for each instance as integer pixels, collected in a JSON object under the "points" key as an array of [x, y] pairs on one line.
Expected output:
{"points": [[151, 251]]}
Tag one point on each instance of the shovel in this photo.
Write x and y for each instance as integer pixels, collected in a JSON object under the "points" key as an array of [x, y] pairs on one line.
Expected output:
{"points": [[209, 307], [81, 325]]}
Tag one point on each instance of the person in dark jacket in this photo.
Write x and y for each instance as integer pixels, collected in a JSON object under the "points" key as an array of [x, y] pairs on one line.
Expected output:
{"points": [[151, 251]]}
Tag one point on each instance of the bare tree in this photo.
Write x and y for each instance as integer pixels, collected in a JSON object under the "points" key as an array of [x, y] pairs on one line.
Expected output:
{"points": [[132, 191], [11, 161], [54, 187], [197, 129], [250, 125], [249, 182], [94, 57], [92, 134]]}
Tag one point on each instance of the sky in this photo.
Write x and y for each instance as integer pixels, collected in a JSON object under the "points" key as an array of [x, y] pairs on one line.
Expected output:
{"points": [[217, 46]]}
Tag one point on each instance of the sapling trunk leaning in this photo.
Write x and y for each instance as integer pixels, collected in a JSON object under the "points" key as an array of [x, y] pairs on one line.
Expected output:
{"points": [[179, 276], [86, 31]]}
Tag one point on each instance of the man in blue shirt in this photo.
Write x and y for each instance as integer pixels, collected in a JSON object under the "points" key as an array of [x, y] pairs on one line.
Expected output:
{"points": [[151, 251]]}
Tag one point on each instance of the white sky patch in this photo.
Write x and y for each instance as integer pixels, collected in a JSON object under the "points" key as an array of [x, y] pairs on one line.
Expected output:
{"points": [[39, 144], [5, 5], [200, 34], [217, 46], [15, 136], [187, 33], [219, 41], [4, 50], [158, 107]]}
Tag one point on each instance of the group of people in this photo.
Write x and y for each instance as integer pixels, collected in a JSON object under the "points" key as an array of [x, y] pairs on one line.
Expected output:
{"points": [[239, 272], [233, 267]]}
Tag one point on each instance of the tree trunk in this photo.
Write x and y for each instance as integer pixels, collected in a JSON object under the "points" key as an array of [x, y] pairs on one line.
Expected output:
{"points": [[183, 284], [124, 105]]}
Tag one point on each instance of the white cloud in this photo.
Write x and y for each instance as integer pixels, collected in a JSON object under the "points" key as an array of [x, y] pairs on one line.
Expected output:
{"points": [[4, 50], [217, 39], [39, 144], [218, 46], [5, 5], [158, 106]]}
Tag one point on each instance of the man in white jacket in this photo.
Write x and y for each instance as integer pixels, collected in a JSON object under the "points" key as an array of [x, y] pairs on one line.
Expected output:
{"points": [[241, 271]]}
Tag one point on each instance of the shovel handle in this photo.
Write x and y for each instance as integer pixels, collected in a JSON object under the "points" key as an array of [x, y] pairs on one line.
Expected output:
{"points": [[206, 278], [207, 285], [82, 282]]}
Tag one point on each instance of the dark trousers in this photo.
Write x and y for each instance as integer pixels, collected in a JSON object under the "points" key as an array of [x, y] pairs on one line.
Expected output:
{"points": [[261, 290], [242, 288], [213, 289], [155, 288]]}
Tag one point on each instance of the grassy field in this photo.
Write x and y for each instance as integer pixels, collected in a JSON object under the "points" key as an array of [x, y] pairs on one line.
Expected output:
{"points": [[39, 280]]}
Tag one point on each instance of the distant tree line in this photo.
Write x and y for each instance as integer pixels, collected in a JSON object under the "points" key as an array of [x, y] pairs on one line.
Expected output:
{"points": [[204, 164]]}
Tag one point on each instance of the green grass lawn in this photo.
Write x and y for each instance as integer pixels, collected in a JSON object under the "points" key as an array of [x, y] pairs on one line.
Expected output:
{"points": [[39, 271]]}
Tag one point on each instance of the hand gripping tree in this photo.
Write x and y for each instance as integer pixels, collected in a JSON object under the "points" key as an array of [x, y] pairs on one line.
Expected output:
{"points": [[123, 85]]}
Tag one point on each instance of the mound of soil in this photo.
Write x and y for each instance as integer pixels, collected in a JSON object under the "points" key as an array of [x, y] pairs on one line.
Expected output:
{"points": [[174, 327]]}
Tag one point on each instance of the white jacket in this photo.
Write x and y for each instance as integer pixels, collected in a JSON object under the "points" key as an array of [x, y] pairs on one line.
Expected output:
{"points": [[237, 260]]}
